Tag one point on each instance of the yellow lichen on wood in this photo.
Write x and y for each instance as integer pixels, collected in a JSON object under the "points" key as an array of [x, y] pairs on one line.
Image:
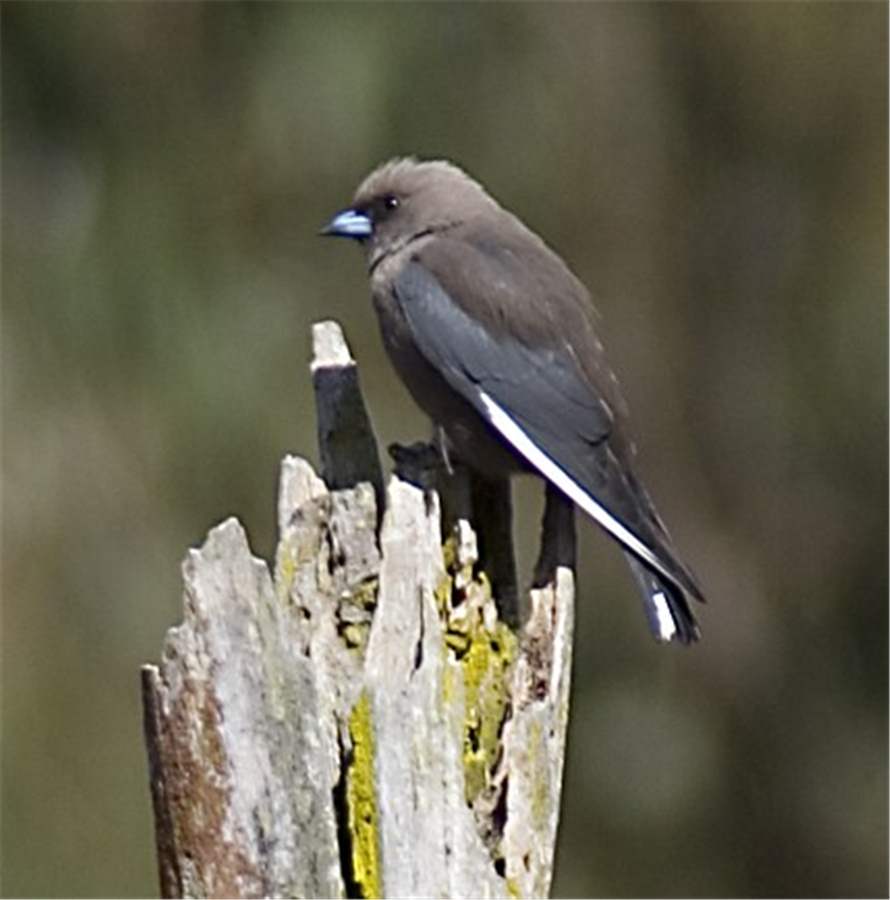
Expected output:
{"points": [[486, 668], [442, 594], [287, 568], [355, 634], [365, 593], [485, 654], [354, 613], [541, 798], [449, 552], [361, 800]]}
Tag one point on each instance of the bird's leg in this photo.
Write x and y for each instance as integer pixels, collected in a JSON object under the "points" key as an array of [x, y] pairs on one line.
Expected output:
{"points": [[455, 497], [440, 441], [558, 539], [493, 520], [453, 484]]}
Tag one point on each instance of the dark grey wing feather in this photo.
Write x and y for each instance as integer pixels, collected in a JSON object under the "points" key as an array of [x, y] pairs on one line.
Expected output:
{"points": [[545, 394], [540, 385]]}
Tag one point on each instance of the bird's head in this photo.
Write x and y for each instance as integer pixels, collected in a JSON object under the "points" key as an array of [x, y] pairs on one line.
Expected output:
{"points": [[405, 199]]}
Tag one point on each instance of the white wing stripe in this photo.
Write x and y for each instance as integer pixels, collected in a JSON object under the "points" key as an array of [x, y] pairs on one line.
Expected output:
{"points": [[551, 470]]}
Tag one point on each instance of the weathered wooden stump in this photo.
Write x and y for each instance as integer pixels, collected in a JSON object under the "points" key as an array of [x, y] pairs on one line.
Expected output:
{"points": [[364, 721]]}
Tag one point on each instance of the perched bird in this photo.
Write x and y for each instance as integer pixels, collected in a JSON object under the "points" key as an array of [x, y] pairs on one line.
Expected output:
{"points": [[496, 340]]}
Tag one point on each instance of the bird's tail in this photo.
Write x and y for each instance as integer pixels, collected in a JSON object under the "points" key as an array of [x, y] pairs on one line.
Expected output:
{"points": [[667, 610]]}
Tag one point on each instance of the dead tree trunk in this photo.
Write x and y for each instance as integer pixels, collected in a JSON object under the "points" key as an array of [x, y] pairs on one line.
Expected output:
{"points": [[363, 722]]}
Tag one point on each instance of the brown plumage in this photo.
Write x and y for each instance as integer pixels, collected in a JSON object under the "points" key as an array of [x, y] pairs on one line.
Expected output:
{"points": [[496, 340]]}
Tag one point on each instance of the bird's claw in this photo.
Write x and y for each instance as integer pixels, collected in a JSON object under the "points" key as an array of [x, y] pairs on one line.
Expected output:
{"points": [[419, 463]]}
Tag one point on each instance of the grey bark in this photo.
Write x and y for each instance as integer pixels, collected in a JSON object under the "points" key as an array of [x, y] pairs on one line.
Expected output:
{"points": [[363, 721]]}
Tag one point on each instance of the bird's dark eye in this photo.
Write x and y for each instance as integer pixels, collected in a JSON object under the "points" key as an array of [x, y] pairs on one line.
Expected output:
{"points": [[390, 201]]}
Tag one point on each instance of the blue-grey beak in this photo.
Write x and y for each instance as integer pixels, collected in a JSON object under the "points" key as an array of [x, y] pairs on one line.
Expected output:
{"points": [[350, 223]]}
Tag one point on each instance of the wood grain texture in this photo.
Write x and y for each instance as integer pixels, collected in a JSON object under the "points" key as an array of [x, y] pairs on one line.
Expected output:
{"points": [[360, 721]]}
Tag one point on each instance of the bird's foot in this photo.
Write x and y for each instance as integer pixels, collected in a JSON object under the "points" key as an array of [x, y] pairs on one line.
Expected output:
{"points": [[420, 463]]}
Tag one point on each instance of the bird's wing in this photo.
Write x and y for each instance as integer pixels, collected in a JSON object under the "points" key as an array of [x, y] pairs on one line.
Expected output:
{"points": [[542, 404]]}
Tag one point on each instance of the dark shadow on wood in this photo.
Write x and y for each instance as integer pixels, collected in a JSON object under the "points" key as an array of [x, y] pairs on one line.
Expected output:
{"points": [[345, 435], [165, 833]]}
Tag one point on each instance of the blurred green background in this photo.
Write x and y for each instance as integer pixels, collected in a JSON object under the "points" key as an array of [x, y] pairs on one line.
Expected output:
{"points": [[717, 174]]}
